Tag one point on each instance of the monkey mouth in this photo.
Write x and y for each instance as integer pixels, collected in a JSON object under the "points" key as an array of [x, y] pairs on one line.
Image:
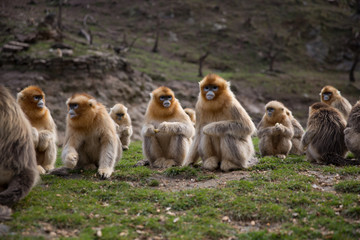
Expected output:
{"points": [[166, 103], [40, 105], [210, 96], [72, 115]]}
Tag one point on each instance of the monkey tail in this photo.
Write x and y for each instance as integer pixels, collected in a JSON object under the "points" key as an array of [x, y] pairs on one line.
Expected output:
{"points": [[337, 160]]}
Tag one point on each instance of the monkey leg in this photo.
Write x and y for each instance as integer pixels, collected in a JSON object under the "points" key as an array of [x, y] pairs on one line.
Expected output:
{"points": [[50, 156], [296, 149], [19, 187], [208, 153], [125, 141], [235, 153], [266, 146], [283, 147], [152, 151], [312, 155], [178, 148]]}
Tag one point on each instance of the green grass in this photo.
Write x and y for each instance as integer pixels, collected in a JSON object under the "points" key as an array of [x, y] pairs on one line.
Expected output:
{"points": [[276, 201]]}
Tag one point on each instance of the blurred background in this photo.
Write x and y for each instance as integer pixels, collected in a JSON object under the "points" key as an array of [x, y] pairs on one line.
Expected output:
{"points": [[119, 51]]}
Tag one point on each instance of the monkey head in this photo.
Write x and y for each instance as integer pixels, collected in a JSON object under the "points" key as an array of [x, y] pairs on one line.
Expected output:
{"points": [[163, 104], [275, 112], [32, 100], [328, 94], [316, 106], [81, 109], [212, 86], [164, 97], [118, 112]]}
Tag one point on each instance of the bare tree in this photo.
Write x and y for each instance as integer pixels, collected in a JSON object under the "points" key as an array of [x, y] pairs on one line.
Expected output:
{"points": [[201, 61], [86, 32], [155, 48]]}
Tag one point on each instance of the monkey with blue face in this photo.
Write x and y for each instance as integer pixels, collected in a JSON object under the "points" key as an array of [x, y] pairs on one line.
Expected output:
{"points": [[167, 130], [275, 131], [124, 129], [332, 97]]}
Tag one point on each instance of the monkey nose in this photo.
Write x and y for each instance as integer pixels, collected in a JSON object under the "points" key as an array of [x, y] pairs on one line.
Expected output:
{"points": [[40, 104], [326, 97], [72, 114], [166, 103], [210, 95]]}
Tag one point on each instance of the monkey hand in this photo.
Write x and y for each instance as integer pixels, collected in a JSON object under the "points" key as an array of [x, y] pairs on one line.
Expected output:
{"points": [[164, 127], [150, 131], [105, 173], [126, 131], [209, 130], [44, 140], [279, 127], [71, 160]]}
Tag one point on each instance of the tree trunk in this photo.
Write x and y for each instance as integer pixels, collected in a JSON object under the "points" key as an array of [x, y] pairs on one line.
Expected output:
{"points": [[155, 48], [353, 67], [60, 15], [201, 61]]}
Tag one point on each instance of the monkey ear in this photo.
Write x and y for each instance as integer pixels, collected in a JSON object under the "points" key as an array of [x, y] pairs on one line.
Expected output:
{"points": [[67, 101], [19, 95], [125, 108], [320, 93], [151, 95], [92, 102], [338, 92]]}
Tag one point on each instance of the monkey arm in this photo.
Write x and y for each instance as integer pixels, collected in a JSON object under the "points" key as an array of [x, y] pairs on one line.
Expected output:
{"points": [[45, 136], [148, 130], [306, 139], [126, 131], [35, 136], [177, 128], [108, 155], [265, 131], [234, 128], [69, 154]]}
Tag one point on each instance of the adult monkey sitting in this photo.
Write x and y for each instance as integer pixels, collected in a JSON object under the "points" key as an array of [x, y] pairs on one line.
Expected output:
{"points": [[223, 128]]}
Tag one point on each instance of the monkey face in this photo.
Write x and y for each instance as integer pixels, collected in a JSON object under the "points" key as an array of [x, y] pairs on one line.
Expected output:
{"points": [[270, 111], [327, 96], [210, 91], [39, 101], [119, 116], [166, 100], [72, 109]]}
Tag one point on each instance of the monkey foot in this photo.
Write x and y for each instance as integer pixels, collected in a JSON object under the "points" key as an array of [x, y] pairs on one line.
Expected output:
{"points": [[163, 163], [227, 166], [71, 160], [105, 173], [125, 148], [48, 167], [211, 163], [40, 169], [281, 156]]}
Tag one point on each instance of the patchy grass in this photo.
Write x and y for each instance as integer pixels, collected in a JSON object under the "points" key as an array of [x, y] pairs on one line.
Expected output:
{"points": [[280, 199]]}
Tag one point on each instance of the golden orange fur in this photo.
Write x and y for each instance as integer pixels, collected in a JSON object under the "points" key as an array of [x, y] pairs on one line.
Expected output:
{"points": [[124, 129], [275, 130], [32, 102], [331, 96], [223, 128], [90, 140], [167, 131]]}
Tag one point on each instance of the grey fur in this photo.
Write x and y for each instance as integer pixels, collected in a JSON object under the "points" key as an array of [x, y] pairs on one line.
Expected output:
{"points": [[18, 172]]}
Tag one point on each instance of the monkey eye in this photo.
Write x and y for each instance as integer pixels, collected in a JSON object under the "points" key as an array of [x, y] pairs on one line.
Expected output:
{"points": [[206, 88], [327, 93], [37, 98], [162, 98], [120, 114], [215, 88], [169, 97], [270, 109], [73, 105]]}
